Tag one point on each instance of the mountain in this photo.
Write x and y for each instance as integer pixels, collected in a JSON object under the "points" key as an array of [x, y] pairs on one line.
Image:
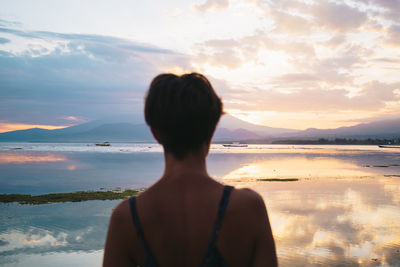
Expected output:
{"points": [[26, 135], [224, 134], [377, 129], [112, 132], [232, 123], [116, 130], [88, 132], [229, 129]]}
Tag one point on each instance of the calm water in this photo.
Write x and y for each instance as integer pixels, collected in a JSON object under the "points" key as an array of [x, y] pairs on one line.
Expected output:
{"points": [[343, 211]]}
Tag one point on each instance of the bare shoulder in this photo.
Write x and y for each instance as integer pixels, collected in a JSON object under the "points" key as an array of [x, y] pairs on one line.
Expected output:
{"points": [[249, 217], [121, 212], [119, 245], [247, 193], [121, 219], [247, 199], [246, 209]]}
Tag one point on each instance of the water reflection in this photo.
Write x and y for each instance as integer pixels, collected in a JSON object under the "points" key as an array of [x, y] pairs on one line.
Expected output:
{"points": [[51, 172], [44, 230], [298, 167], [303, 149], [323, 222], [19, 158], [343, 211]]}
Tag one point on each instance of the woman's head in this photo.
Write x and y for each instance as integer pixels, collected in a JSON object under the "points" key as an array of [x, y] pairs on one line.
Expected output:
{"points": [[182, 111]]}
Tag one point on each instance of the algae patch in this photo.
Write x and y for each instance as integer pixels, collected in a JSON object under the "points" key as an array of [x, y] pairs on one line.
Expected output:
{"points": [[277, 180], [67, 197]]}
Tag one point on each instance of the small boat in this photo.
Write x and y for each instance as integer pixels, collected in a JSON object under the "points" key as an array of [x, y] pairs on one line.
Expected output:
{"points": [[104, 144], [388, 146], [235, 144]]}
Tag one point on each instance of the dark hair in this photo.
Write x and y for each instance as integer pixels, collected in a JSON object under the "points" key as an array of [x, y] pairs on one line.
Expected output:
{"points": [[183, 111]]}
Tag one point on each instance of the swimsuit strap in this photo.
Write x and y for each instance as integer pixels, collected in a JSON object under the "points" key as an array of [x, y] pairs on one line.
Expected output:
{"points": [[149, 257], [150, 261], [221, 212]]}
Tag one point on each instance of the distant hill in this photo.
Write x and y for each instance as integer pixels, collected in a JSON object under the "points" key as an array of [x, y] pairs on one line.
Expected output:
{"points": [[229, 129], [115, 132], [232, 123], [378, 129], [111, 130], [224, 134]]}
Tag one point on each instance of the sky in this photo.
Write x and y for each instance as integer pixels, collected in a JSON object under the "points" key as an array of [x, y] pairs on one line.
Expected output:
{"points": [[291, 64]]}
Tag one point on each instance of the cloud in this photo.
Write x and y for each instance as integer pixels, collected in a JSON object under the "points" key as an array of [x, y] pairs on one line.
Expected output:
{"points": [[4, 40], [311, 57], [261, 40], [233, 53], [304, 55], [324, 77], [74, 119], [393, 35], [56, 76], [335, 16], [296, 78], [288, 23], [283, 18], [372, 96], [7, 127], [386, 60], [336, 40], [388, 9], [211, 5], [300, 17], [220, 53], [9, 23], [301, 56], [88, 39]]}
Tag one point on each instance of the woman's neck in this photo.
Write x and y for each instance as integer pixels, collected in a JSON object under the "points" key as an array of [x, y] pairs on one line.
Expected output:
{"points": [[192, 165]]}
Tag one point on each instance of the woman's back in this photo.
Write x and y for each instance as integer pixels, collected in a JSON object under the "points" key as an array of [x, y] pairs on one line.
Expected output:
{"points": [[178, 216], [175, 217]]}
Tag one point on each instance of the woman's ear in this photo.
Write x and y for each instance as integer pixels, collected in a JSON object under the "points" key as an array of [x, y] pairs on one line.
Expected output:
{"points": [[155, 135]]}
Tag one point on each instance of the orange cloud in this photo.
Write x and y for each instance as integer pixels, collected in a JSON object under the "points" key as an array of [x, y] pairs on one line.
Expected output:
{"points": [[7, 127], [74, 119], [211, 4]]}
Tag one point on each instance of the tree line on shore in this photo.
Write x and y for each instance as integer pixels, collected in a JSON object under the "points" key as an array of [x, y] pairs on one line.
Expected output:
{"points": [[341, 141]]}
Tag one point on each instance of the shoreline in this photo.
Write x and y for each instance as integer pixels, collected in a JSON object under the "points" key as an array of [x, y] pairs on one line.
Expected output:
{"points": [[79, 196]]}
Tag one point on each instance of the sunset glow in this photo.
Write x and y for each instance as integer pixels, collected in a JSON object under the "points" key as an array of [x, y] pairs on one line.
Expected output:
{"points": [[7, 127], [290, 64], [299, 167]]}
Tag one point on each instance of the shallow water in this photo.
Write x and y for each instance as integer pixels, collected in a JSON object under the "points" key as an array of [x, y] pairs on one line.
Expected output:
{"points": [[343, 211]]}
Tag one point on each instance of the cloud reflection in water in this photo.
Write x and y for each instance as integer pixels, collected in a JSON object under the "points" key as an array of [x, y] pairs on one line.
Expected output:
{"points": [[298, 167], [340, 212], [325, 221], [20, 158], [45, 230]]}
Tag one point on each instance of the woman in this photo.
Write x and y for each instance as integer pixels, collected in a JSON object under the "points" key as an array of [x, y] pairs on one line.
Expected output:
{"points": [[187, 218]]}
